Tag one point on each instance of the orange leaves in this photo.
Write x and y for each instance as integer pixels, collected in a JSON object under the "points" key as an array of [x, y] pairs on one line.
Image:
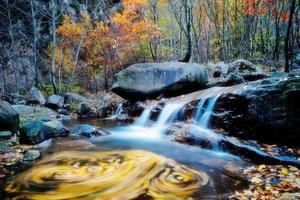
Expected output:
{"points": [[69, 29], [107, 44], [261, 7]]}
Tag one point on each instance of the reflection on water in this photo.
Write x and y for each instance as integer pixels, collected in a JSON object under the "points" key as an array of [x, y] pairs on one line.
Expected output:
{"points": [[107, 175]]}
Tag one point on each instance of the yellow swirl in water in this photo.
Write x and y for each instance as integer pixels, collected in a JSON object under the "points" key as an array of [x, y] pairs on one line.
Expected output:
{"points": [[117, 175]]}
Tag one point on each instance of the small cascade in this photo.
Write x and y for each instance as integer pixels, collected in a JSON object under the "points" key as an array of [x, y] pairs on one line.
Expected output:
{"points": [[144, 118], [204, 120], [168, 114], [119, 110], [199, 111]]}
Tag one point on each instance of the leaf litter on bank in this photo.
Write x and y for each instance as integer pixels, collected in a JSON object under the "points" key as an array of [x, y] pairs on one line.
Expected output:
{"points": [[271, 182]]}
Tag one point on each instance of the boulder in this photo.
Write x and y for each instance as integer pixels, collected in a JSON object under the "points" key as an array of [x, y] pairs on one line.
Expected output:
{"points": [[84, 130], [266, 110], [151, 80], [5, 135], [34, 132], [32, 155], [35, 96], [9, 118], [63, 112], [55, 102], [85, 110], [28, 113], [220, 70], [246, 69], [71, 98]]}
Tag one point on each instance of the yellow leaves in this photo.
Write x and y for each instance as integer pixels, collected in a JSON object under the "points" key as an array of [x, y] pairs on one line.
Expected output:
{"points": [[284, 171], [271, 182], [104, 44], [261, 167]]}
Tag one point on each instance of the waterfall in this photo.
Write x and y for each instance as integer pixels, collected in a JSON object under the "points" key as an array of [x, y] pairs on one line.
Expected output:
{"points": [[168, 114], [119, 110], [145, 117], [204, 120], [203, 117], [199, 111]]}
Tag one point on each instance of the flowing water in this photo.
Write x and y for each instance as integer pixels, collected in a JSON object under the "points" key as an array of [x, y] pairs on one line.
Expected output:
{"points": [[136, 161]]}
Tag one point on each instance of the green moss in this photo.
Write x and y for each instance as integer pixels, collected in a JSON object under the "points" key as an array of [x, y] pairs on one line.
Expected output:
{"points": [[47, 89]]}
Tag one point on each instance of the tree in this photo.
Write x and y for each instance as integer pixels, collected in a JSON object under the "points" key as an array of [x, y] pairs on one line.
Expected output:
{"points": [[288, 33]]}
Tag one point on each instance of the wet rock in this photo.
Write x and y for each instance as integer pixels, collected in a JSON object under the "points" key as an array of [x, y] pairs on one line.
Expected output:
{"points": [[32, 155], [233, 79], [34, 132], [9, 118], [103, 132], [17, 98], [267, 110], [71, 98], [246, 69], [219, 70], [105, 109], [5, 145], [63, 112], [55, 102], [151, 80], [85, 110], [28, 113], [35, 96], [5, 135], [84, 130]]}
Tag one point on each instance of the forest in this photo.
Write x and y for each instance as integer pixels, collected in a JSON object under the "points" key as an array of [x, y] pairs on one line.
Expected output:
{"points": [[79, 45], [150, 99]]}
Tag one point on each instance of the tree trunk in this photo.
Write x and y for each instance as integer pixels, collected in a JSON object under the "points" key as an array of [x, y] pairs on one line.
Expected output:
{"points": [[288, 33]]}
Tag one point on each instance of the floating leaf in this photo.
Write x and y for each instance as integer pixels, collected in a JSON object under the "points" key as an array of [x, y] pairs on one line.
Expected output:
{"points": [[284, 171], [261, 167]]}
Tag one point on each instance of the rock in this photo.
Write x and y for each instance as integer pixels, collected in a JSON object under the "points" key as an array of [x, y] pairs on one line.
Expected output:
{"points": [[85, 110], [63, 112], [17, 98], [233, 79], [103, 132], [9, 118], [28, 113], [71, 98], [84, 130], [5, 135], [34, 132], [266, 110], [35, 96], [246, 69], [32, 155], [104, 109], [55, 102], [220, 70], [151, 80]]}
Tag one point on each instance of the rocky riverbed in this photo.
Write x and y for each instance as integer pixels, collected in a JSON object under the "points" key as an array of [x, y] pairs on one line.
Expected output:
{"points": [[247, 116]]}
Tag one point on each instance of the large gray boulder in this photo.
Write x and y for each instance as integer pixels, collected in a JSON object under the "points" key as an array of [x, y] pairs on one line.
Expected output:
{"points": [[150, 80], [35, 97], [34, 132], [246, 69], [29, 113], [71, 98], [55, 102], [9, 118]]}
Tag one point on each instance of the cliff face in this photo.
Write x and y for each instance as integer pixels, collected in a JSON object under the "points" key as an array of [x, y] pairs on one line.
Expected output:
{"points": [[25, 34]]}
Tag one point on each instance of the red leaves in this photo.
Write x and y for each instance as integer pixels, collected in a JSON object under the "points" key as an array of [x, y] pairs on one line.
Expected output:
{"points": [[262, 7]]}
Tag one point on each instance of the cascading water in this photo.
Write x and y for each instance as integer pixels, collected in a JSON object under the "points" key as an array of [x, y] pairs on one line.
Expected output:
{"points": [[144, 118], [203, 121], [119, 110], [168, 114]]}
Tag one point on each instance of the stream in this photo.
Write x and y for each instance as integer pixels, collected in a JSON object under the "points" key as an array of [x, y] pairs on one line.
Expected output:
{"points": [[138, 161]]}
